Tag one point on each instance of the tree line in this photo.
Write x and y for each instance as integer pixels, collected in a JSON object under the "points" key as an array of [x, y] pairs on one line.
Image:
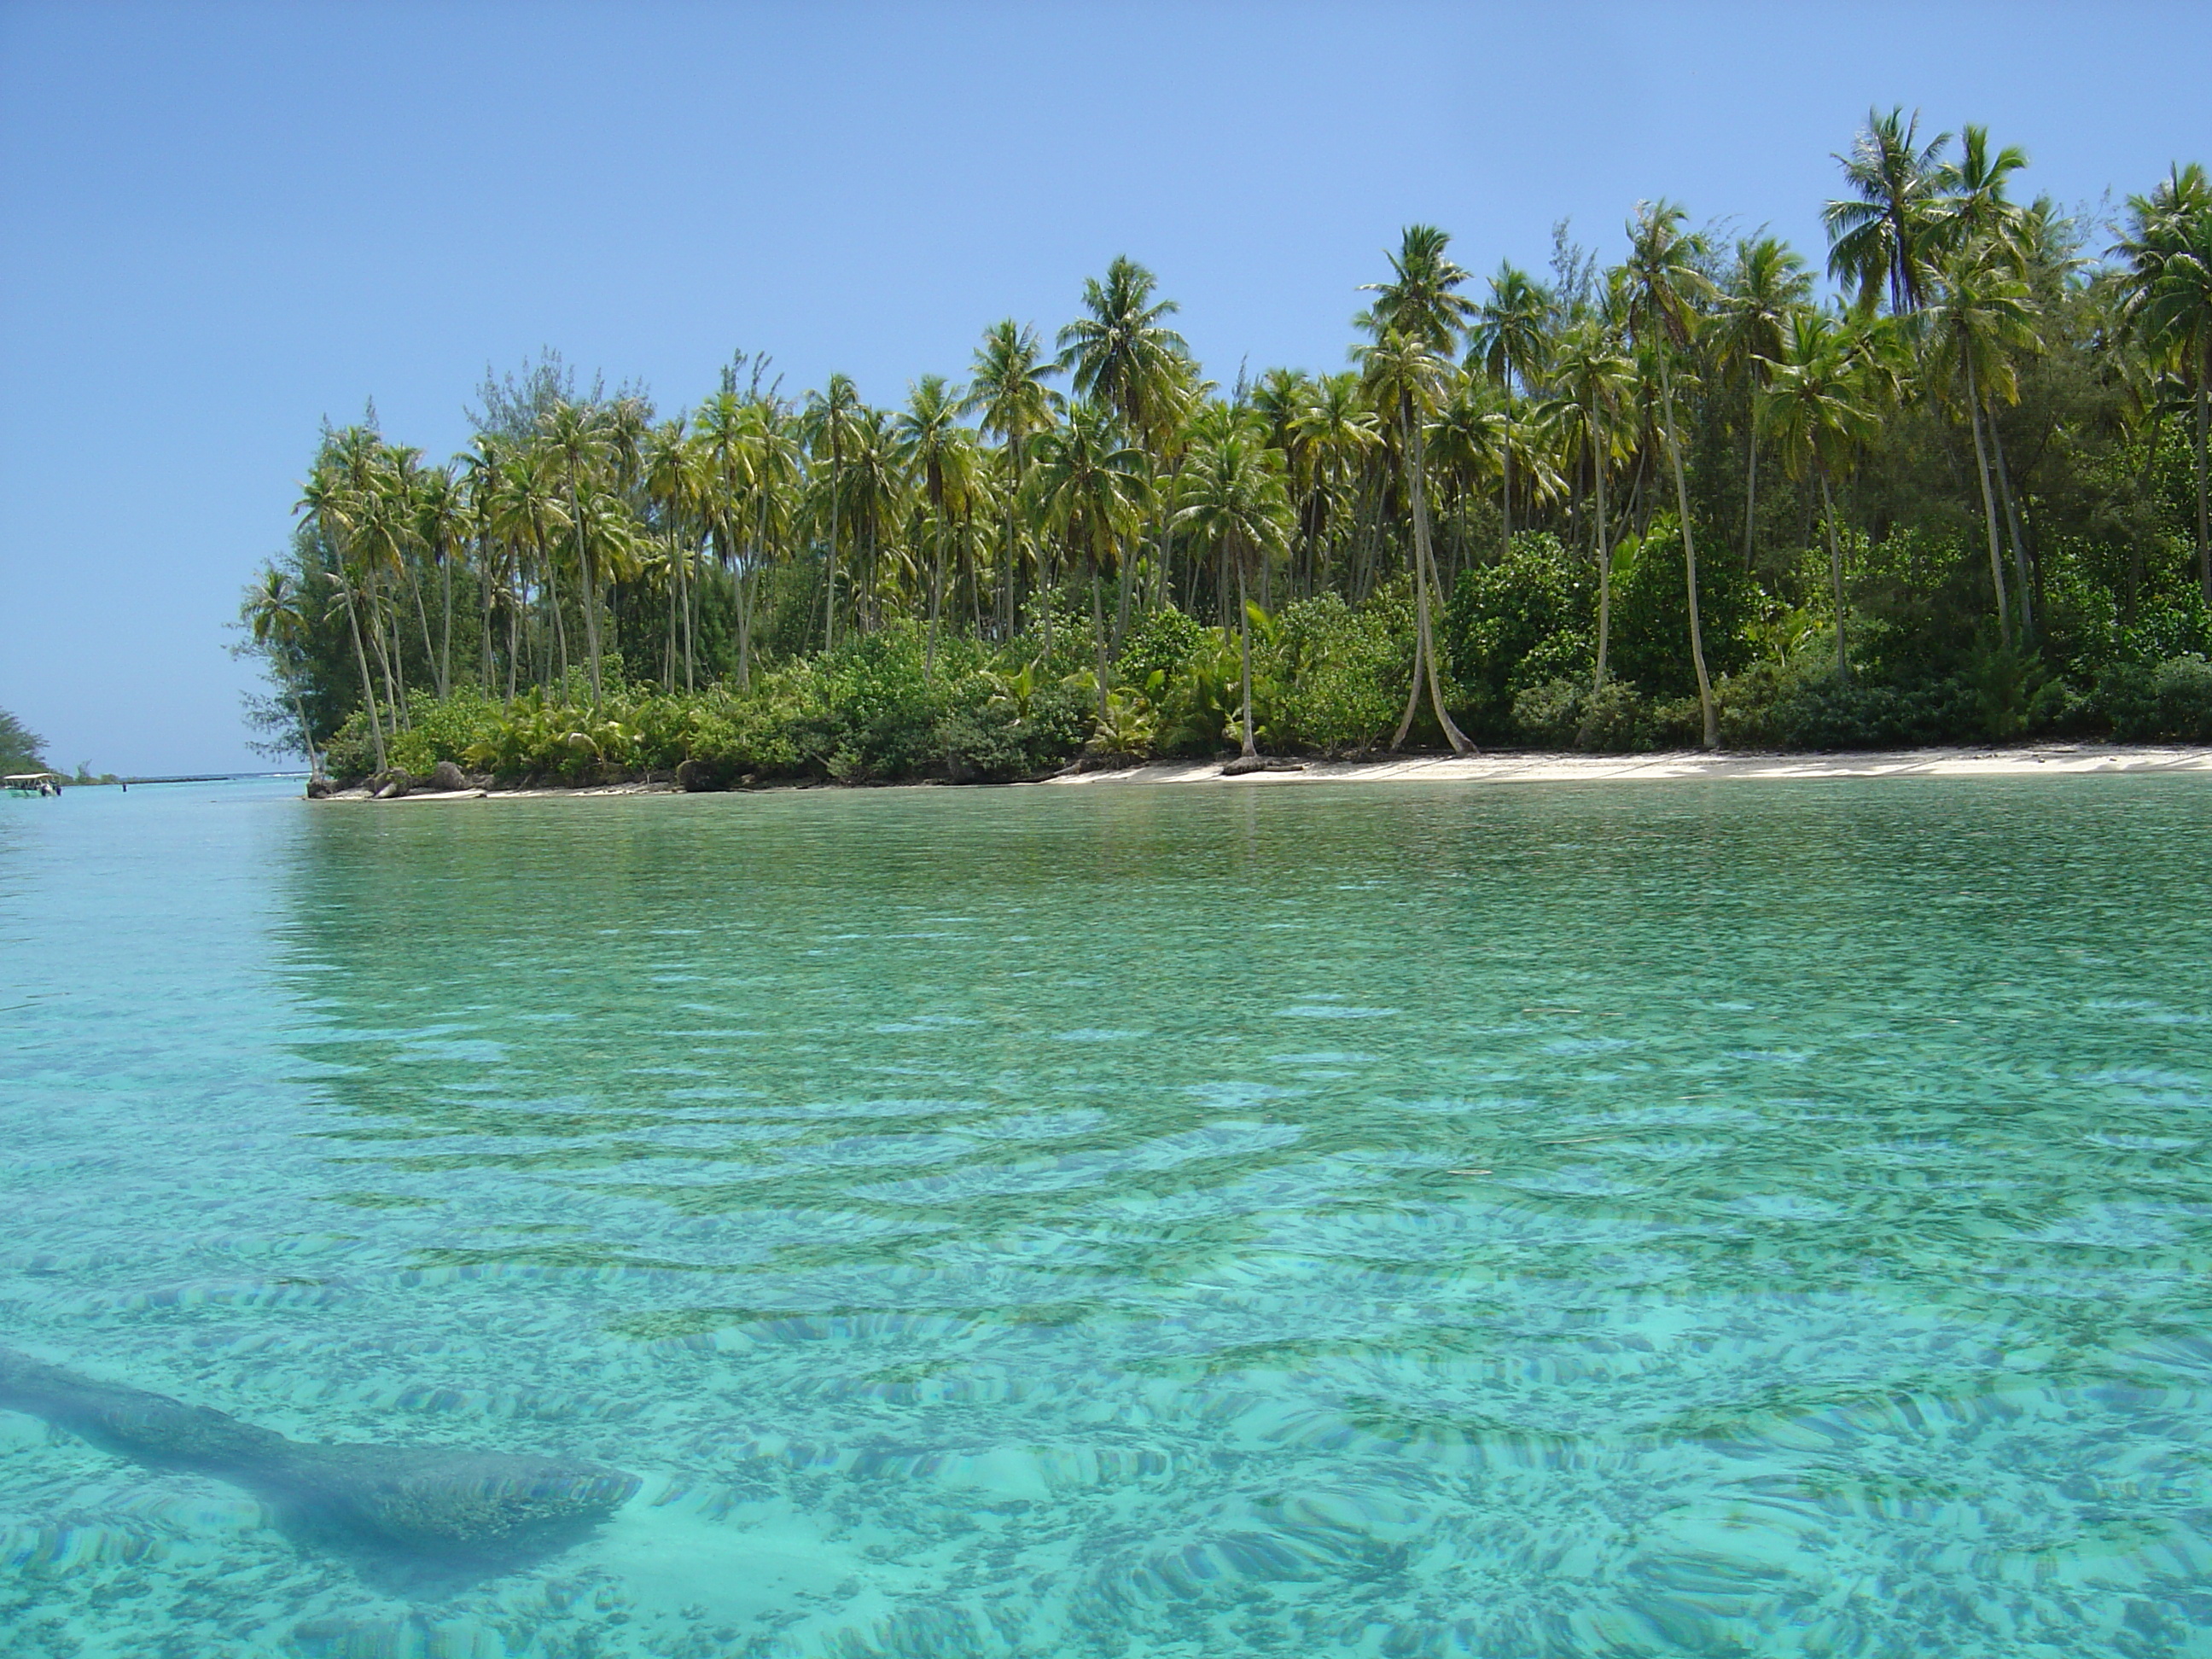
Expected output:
{"points": [[1685, 497]]}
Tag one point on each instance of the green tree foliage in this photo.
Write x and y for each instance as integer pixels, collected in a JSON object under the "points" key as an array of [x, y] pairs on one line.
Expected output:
{"points": [[1683, 498], [21, 750]]}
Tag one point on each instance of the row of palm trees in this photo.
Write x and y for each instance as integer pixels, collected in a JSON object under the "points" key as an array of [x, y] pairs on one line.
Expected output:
{"points": [[1105, 472]]}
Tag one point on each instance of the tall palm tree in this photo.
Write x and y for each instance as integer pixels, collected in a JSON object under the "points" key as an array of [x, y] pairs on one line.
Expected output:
{"points": [[330, 508], [1665, 286], [275, 611], [1508, 342], [1981, 313], [1232, 499], [1596, 379], [1888, 232], [1817, 407], [833, 420], [440, 527], [1769, 284], [1421, 301], [1091, 489], [940, 453], [577, 437], [1008, 392], [673, 470], [1405, 375], [1415, 322], [2168, 308], [1336, 432]]}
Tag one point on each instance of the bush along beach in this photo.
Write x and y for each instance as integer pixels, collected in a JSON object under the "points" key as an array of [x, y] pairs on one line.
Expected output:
{"points": [[1679, 501]]}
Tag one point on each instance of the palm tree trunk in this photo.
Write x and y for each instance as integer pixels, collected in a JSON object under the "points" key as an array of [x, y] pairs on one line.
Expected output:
{"points": [[2203, 521], [675, 592], [445, 622], [484, 596], [1244, 652], [367, 685], [1425, 648], [1098, 637], [936, 595], [1505, 484], [1988, 505], [1712, 732], [830, 599], [1604, 557], [2019, 571], [1836, 576], [588, 577], [1750, 495]]}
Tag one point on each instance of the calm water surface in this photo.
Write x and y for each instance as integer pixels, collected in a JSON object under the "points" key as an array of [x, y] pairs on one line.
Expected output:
{"points": [[1532, 1220]]}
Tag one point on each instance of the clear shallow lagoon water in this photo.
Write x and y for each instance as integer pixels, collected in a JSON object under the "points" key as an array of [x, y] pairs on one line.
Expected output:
{"points": [[1532, 1220]]}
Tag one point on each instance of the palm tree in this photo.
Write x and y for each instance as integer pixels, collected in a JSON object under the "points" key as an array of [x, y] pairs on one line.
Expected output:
{"points": [[1091, 488], [940, 453], [1769, 284], [1415, 321], [833, 420], [1121, 355], [1421, 300], [1405, 375], [1817, 407], [1232, 499], [1009, 392], [1336, 432], [578, 438], [1508, 342], [2168, 283], [673, 468], [274, 613], [1981, 311], [1597, 380], [1891, 231], [1664, 287], [331, 509]]}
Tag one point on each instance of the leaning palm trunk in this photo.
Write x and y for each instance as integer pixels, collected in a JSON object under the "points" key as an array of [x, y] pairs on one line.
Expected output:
{"points": [[2204, 518], [1712, 732], [367, 685], [1750, 495], [1248, 748], [1989, 506], [1604, 559], [1836, 577], [2024, 589], [1425, 650], [1504, 486], [1098, 637]]}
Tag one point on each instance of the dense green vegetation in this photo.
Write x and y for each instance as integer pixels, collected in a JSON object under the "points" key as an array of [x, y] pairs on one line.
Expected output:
{"points": [[1682, 500], [21, 750]]}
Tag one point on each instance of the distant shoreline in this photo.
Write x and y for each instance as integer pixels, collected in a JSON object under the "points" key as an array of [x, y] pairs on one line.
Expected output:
{"points": [[2071, 759]]}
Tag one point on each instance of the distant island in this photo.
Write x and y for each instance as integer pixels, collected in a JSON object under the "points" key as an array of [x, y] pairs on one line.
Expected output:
{"points": [[1679, 501]]}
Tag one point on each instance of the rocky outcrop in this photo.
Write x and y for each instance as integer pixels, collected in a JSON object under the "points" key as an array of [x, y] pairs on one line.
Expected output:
{"points": [[441, 1497], [447, 775]]}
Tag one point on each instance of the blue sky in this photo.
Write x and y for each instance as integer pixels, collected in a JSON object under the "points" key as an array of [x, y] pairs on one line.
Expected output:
{"points": [[225, 222]]}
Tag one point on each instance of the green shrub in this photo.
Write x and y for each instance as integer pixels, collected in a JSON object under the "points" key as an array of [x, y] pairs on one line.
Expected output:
{"points": [[1523, 622], [2163, 701], [1344, 672]]}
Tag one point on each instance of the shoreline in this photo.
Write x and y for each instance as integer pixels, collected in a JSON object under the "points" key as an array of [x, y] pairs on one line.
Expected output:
{"points": [[1509, 766]]}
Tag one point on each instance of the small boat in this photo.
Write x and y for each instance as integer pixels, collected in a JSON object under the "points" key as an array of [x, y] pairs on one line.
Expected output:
{"points": [[33, 783]]}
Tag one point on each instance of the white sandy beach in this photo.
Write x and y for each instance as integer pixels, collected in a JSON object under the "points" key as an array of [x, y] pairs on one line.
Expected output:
{"points": [[1523, 766], [1520, 766]]}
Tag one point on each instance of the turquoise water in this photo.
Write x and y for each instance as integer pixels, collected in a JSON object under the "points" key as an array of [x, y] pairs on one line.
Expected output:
{"points": [[1602, 1220]]}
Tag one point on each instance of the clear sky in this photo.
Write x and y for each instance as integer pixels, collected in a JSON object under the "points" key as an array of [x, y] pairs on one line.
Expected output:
{"points": [[220, 224]]}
